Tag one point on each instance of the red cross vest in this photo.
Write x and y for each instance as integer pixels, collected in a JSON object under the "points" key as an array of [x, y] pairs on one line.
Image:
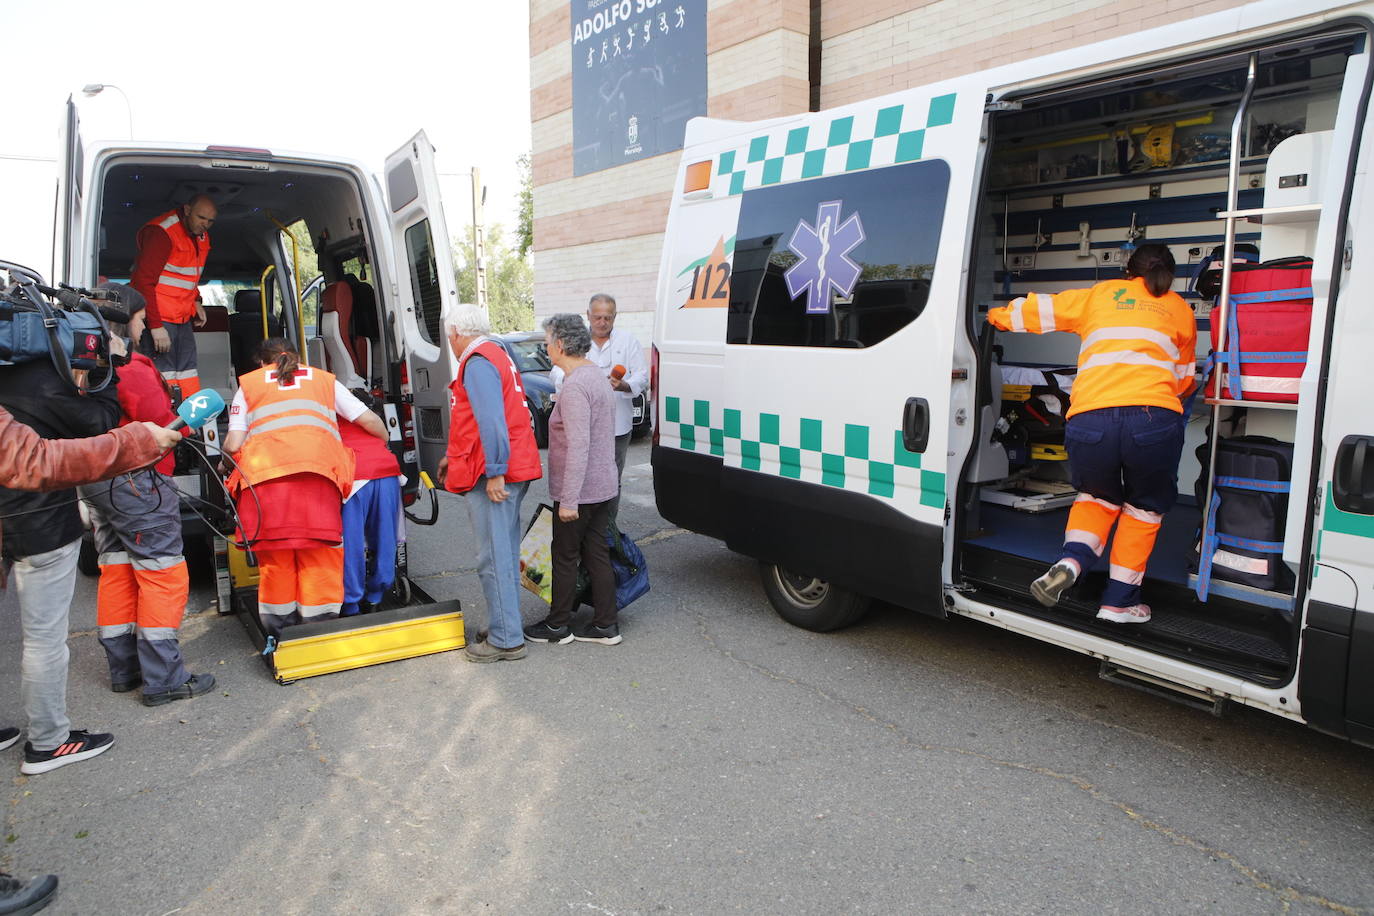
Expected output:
{"points": [[292, 429], [178, 282], [466, 460]]}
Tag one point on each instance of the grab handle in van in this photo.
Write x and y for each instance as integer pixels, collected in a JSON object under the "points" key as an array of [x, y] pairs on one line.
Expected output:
{"points": [[916, 425], [1353, 480]]}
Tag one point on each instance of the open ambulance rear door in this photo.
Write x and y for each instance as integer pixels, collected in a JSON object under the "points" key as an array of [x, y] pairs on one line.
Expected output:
{"points": [[66, 226], [427, 288]]}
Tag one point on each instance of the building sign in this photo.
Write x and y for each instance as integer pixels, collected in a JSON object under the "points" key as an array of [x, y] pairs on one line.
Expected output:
{"points": [[639, 73]]}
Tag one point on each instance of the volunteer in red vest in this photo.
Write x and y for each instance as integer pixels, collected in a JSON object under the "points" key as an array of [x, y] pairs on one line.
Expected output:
{"points": [[372, 520], [144, 583], [172, 249], [491, 459], [1124, 427], [291, 475]]}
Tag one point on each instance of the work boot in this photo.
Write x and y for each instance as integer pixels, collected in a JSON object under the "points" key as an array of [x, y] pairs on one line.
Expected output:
{"points": [[1056, 580], [198, 684], [18, 898]]}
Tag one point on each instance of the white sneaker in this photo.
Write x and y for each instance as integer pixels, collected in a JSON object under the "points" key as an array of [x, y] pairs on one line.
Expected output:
{"points": [[1136, 613], [1056, 580]]}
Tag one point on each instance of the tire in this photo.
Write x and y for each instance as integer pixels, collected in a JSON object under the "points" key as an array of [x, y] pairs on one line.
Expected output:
{"points": [[810, 603], [87, 560]]}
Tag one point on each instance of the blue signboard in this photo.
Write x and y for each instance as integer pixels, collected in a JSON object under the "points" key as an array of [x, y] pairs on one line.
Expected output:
{"points": [[639, 73]]}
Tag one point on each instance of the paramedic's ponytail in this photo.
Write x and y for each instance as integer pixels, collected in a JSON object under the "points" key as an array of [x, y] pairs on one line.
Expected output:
{"points": [[1155, 265], [278, 350]]}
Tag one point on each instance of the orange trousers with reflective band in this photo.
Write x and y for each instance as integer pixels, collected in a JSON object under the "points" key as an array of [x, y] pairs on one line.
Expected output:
{"points": [[299, 586], [1090, 523], [150, 599]]}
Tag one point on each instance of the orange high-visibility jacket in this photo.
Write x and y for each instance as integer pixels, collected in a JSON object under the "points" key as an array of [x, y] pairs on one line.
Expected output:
{"points": [[292, 429], [1138, 350], [179, 280]]}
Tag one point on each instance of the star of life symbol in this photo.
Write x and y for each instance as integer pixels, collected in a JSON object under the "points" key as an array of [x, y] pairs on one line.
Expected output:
{"points": [[824, 252]]}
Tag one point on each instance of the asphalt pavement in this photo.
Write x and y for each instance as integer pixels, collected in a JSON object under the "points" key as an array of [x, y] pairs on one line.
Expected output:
{"points": [[718, 761]]}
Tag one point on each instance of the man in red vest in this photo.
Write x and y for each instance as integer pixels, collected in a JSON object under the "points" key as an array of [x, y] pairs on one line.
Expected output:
{"points": [[491, 459], [172, 249]]}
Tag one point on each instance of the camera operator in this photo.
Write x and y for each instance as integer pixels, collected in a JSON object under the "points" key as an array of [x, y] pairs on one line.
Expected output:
{"points": [[42, 538], [29, 462]]}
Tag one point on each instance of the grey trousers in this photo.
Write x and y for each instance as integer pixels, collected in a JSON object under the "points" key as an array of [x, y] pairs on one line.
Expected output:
{"points": [[622, 447], [44, 584]]}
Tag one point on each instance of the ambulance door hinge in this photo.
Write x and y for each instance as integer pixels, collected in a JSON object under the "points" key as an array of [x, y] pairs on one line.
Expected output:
{"points": [[1349, 254], [990, 106]]}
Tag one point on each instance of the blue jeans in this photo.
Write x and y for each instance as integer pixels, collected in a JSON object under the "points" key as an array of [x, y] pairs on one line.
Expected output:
{"points": [[45, 582], [370, 523], [497, 526]]}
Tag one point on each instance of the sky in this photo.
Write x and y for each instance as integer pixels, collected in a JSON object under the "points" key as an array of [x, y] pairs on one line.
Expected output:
{"points": [[353, 79]]}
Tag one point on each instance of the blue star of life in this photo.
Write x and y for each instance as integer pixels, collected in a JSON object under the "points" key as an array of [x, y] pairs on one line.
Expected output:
{"points": [[824, 251]]}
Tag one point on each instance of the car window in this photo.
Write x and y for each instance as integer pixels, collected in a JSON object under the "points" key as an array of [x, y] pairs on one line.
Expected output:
{"points": [[529, 355]]}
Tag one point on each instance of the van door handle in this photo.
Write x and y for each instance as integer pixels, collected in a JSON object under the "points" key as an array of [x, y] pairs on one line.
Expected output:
{"points": [[916, 425], [1353, 478]]}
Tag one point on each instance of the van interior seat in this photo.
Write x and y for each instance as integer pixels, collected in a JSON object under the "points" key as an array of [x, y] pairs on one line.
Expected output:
{"points": [[245, 329], [213, 360], [367, 332], [336, 321]]}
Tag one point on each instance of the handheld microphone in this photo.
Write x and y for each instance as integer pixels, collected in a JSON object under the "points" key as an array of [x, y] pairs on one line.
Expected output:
{"points": [[199, 409]]}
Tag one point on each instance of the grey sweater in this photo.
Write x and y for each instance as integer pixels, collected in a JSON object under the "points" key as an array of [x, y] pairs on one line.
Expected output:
{"points": [[582, 440]]}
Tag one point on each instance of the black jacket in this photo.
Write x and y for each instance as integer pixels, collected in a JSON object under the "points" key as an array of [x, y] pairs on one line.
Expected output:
{"points": [[37, 397]]}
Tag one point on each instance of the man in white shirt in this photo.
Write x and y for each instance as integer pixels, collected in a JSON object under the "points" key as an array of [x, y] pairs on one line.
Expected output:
{"points": [[611, 348]]}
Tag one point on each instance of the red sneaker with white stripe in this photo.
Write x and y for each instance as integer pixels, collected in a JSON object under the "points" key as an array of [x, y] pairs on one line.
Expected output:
{"points": [[1136, 613], [78, 746]]}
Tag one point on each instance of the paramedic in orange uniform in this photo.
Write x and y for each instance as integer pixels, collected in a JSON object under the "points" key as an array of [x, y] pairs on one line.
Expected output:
{"points": [[1124, 428], [293, 472], [172, 249]]}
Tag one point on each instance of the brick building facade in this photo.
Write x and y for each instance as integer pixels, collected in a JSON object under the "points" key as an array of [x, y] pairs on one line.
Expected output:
{"points": [[604, 231]]}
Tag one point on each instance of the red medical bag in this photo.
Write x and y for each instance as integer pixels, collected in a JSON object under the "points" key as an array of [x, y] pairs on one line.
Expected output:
{"points": [[1268, 322]]}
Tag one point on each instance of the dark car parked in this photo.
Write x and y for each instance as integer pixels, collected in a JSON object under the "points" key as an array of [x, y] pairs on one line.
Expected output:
{"points": [[526, 350]]}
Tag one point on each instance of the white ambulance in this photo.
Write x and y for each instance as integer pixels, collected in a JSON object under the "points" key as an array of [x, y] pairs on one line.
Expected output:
{"points": [[831, 401], [369, 311]]}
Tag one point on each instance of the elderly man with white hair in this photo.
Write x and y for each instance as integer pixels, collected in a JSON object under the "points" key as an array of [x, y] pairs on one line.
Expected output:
{"points": [[491, 459]]}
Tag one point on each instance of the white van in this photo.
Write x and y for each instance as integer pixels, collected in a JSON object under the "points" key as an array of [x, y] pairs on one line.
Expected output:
{"points": [[370, 313], [831, 401]]}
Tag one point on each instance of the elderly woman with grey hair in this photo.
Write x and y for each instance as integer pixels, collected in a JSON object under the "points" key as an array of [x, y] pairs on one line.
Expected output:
{"points": [[582, 484], [491, 459]]}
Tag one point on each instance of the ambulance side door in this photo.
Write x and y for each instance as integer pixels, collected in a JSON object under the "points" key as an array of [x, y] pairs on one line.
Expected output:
{"points": [[425, 289], [66, 229]]}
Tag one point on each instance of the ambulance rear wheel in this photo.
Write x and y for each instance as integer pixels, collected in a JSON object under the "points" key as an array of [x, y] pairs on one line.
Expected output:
{"points": [[810, 603]]}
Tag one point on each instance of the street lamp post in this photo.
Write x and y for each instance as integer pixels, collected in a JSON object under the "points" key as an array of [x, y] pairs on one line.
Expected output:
{"points": [[94, 89]]}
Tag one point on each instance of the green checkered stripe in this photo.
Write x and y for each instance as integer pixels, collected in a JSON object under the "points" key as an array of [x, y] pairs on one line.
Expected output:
{"points": [[846, 144], [847, 456]]}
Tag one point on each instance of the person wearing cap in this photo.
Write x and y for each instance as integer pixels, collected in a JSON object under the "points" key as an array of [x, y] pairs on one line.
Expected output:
{"points": [[1124, 426], [144, 582], [172, 248]]}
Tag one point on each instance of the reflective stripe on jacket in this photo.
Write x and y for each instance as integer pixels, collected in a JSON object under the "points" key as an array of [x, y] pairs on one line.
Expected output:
{"points": [[466, 460], [292, 429], [1137, 349], [179, 280]]}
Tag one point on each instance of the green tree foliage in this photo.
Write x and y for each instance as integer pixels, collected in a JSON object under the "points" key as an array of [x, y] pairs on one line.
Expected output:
{"points": [[510, 280], [524, 230]]}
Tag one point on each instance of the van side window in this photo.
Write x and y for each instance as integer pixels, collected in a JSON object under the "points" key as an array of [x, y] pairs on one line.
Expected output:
{"points": [[424, 280], [845, 261]]}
